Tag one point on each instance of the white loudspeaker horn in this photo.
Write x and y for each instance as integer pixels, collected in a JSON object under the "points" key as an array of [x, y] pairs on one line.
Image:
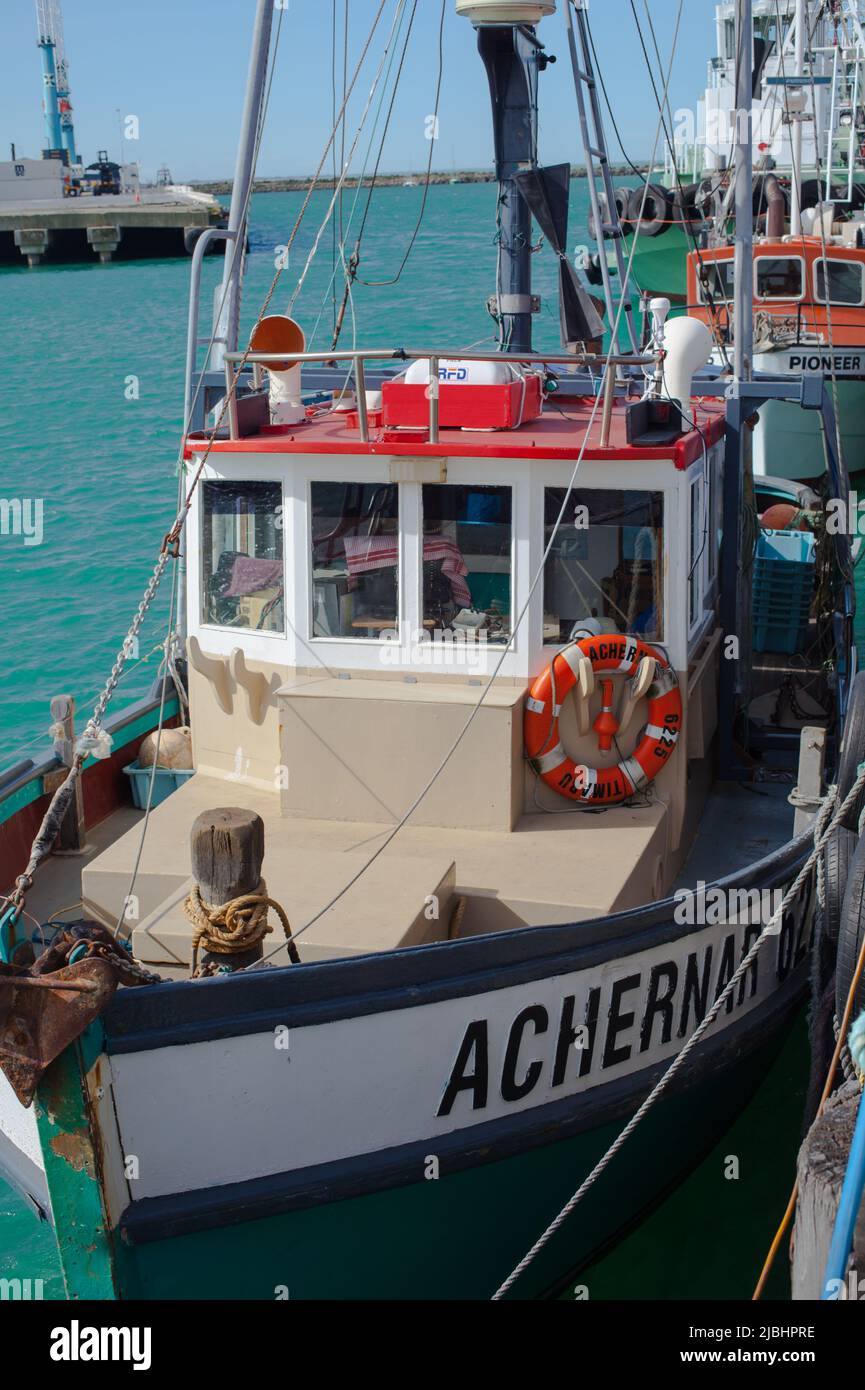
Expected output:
{"points": [[277, 333]]}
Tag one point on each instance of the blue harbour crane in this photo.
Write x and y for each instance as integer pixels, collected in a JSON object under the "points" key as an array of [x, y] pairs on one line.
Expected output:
{"points": [[57, 107]]}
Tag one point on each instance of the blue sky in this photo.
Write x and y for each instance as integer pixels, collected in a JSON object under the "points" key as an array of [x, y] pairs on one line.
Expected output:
{"points": [[180, 67]]}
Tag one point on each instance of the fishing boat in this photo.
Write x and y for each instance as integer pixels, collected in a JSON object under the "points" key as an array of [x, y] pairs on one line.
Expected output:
{"points": [[807, 134], [458, 666], [809, 308]]}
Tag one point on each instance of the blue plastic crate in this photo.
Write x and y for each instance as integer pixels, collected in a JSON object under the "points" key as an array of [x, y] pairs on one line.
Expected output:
{"points": [[786, 547], [165, 781], [782, 588], [776, 637]]}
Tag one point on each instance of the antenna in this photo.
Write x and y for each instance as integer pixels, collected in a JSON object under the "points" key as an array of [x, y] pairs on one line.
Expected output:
{"points": [[59, 129]]}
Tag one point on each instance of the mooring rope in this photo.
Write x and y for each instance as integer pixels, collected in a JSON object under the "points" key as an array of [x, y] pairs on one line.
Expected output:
{"points": [[227, 929], [822, 831]]}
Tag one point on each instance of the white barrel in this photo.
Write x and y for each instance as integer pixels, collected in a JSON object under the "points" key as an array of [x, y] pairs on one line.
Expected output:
{"points": [[454, 372]]}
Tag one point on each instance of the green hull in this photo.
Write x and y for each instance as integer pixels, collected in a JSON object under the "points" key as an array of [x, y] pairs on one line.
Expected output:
{"points": [[660, 263], [788, 441]]}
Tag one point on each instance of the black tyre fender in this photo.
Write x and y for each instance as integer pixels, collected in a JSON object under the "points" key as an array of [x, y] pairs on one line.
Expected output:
{"points": [[657, 209], [850, 935], [685, 210], [852, 751], [622, 200], [838, 854]]}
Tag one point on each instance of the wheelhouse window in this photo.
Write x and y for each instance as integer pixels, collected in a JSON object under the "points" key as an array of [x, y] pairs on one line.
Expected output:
{"points": [[355, 559], [715, 282], [778, 277], [845, 282], [242, 565], [606, 562], [467, 533]]}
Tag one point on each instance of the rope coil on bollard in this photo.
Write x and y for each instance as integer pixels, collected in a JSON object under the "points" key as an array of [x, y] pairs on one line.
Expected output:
{"points": [[228, 929]]}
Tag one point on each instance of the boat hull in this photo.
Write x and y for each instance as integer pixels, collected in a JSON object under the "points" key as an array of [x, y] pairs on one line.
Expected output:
{"points": [[405, 1125], [456, 1236], [788, 441]]}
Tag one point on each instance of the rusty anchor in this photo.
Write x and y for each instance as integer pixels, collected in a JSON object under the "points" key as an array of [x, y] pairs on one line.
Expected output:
{"points": [[46, 1006]]}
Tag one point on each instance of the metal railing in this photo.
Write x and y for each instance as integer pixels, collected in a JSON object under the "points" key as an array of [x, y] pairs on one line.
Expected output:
{"points": [[406, 355]]}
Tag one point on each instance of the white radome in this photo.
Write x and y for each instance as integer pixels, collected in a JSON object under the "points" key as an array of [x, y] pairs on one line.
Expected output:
{"points": [[506, 11]]}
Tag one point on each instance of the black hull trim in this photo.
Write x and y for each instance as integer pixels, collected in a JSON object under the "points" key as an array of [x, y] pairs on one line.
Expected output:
{"points": [[257, 1001]]}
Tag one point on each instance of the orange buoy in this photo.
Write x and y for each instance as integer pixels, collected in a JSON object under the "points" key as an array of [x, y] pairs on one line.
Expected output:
{"points": [[617, 652]]}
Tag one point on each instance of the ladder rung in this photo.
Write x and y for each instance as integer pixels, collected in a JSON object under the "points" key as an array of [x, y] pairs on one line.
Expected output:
{"points": [[586, 77], [612, 232], [597, 154]]}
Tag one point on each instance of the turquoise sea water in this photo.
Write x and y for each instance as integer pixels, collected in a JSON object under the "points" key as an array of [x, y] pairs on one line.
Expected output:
{"points": [[100, 451]]}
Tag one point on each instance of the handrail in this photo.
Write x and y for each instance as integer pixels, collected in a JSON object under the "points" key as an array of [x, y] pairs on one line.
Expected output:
{"points": [[359, 357], [208, 236]]}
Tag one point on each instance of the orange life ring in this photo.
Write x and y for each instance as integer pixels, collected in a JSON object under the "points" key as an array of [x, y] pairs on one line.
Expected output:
{"points": [[578, 782]]}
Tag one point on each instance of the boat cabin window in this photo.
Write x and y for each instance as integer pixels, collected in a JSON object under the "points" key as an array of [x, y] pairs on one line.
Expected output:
{"points": [[242, 566], [715, 281], [845, 282], [778, 277], [355, 559], [467, 560], [606, 562]]}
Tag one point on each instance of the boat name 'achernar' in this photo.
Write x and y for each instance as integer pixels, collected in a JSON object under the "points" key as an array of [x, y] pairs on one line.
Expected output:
{"points": [[629, 1021]]}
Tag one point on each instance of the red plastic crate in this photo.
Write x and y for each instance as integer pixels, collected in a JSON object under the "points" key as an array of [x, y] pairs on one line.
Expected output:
{"points": [[501, 406]]}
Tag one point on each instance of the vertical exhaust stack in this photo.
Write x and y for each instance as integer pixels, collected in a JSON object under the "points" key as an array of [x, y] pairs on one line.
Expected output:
{"points": [[276, 333], [513, 58]]}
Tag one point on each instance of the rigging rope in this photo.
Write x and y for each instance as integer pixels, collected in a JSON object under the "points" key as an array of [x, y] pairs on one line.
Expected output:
{"points": [[414, 236], [62, 798], [506, 649], [821, 835]]}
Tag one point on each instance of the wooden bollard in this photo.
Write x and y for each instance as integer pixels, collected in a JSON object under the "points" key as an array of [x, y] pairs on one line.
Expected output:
{"points": [[72, 837], [227, 847], [821, 1168]]}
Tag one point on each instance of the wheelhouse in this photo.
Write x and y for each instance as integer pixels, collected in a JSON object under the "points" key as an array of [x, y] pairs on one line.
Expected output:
{"points": [[817, 287]]}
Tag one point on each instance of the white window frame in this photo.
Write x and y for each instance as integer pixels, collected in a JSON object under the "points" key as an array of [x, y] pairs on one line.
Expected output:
{"points": [[604, 484], [195, 574], [780, 298], [701, 288], [401, 569], [837, 303], [495, 648]]}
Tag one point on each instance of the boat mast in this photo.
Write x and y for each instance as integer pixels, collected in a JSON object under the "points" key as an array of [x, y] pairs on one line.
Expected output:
{"points": [[796, 133], [512, 57], [228, 293], [743, 344]]}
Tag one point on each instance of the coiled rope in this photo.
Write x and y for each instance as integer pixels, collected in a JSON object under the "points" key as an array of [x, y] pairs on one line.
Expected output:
{"points": [[822, 830], [227, 929]]}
